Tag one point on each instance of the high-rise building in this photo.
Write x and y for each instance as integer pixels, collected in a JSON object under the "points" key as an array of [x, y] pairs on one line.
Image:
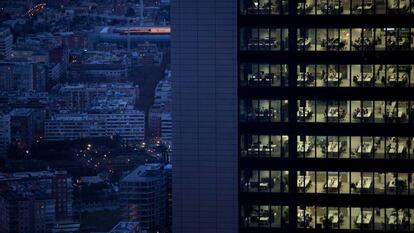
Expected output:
{"points": [[144, 196], [6, 42], [204, 110], [324, 133]]}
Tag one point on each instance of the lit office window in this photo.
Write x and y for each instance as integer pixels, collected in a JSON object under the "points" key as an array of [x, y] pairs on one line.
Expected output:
{"points": [[355, 111], [355, 218], [355, 182], [355, 7], [263, 39], [261, 110], [263, 7], [354, 39], [355, 75], [355, 147], [264, 181], [263, 146], [264, 216], [263, 75]]}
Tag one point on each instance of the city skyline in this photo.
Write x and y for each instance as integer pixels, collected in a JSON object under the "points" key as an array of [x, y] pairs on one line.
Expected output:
{"points": [[159, 116], [85, 95]]}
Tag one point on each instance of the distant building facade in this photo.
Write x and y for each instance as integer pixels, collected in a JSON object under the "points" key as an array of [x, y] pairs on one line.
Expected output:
{"points": [[162, 104], [6, 42], [23, 126], [34, 201], [83, 96], [144, 196], [128, 124], [5, 135], [26, 212], [17, 76], [166, 128]]}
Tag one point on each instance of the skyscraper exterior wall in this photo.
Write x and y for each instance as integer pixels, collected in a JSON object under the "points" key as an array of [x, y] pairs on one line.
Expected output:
{"points": [[204, 116], [325, 114]]}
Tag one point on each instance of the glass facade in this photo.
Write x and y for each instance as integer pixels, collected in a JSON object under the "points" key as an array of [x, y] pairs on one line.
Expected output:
{"points": [[355, 147], [355, 75], [327, 7], [326, 115]]}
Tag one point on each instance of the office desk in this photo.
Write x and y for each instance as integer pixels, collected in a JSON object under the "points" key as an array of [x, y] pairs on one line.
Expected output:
{"points": [[364, 218], [257, 148], [303, 43], [260, 79], [333, 216], [363, 113], [303, 182], [333, 184], [396, 79], [302, 213], [302, 78], [335, 113], [395, 148], [304, 112], [364, 78], [397, 218], [333, 147], [364, 184], [304, 147], [364, 8], [334, 78]]}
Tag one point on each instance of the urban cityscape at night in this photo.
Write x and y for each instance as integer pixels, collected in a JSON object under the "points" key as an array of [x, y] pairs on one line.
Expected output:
{"points": [[206, 116], [85, 116]]}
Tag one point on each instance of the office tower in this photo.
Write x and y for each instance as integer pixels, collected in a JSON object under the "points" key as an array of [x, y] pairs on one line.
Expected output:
{"points": [[204, 112], [6, 43], [144, 197], [325, 113]]}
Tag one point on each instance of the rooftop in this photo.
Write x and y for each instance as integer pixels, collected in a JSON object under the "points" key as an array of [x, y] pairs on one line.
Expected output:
{"points": [[144, 172], [21, 112], [21, 175], [125, 227]]}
